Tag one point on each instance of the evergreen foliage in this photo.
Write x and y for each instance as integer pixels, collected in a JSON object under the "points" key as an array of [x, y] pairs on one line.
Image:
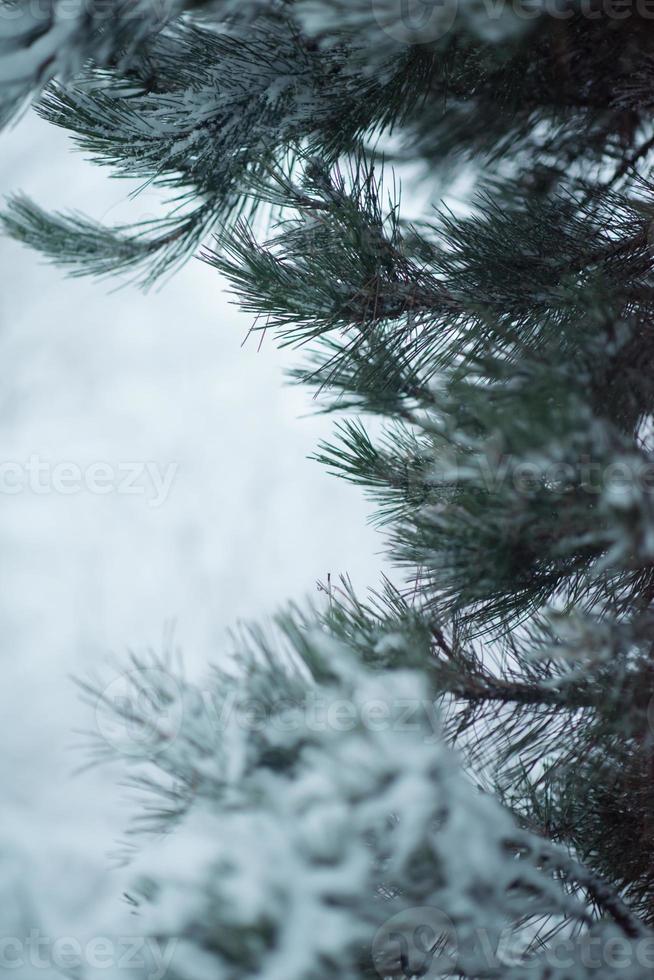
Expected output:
{"points": [[507, 348]]}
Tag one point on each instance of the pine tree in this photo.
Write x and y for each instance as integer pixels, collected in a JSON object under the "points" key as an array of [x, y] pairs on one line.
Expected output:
{"points": [[453, 775]]}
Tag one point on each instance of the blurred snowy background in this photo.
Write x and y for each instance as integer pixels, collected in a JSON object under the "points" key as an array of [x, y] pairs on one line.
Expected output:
{"points": [[94, 375]]}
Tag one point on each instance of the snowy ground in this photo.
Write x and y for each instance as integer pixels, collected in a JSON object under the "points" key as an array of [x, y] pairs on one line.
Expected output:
{"points": [[117, 378]]}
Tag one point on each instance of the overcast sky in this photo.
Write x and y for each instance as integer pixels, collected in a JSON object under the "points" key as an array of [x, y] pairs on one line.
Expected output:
{"points": [[235, 520]]}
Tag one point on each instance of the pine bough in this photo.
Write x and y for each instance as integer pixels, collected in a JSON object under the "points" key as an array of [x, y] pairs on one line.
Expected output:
{"points": [[454, 776]]}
